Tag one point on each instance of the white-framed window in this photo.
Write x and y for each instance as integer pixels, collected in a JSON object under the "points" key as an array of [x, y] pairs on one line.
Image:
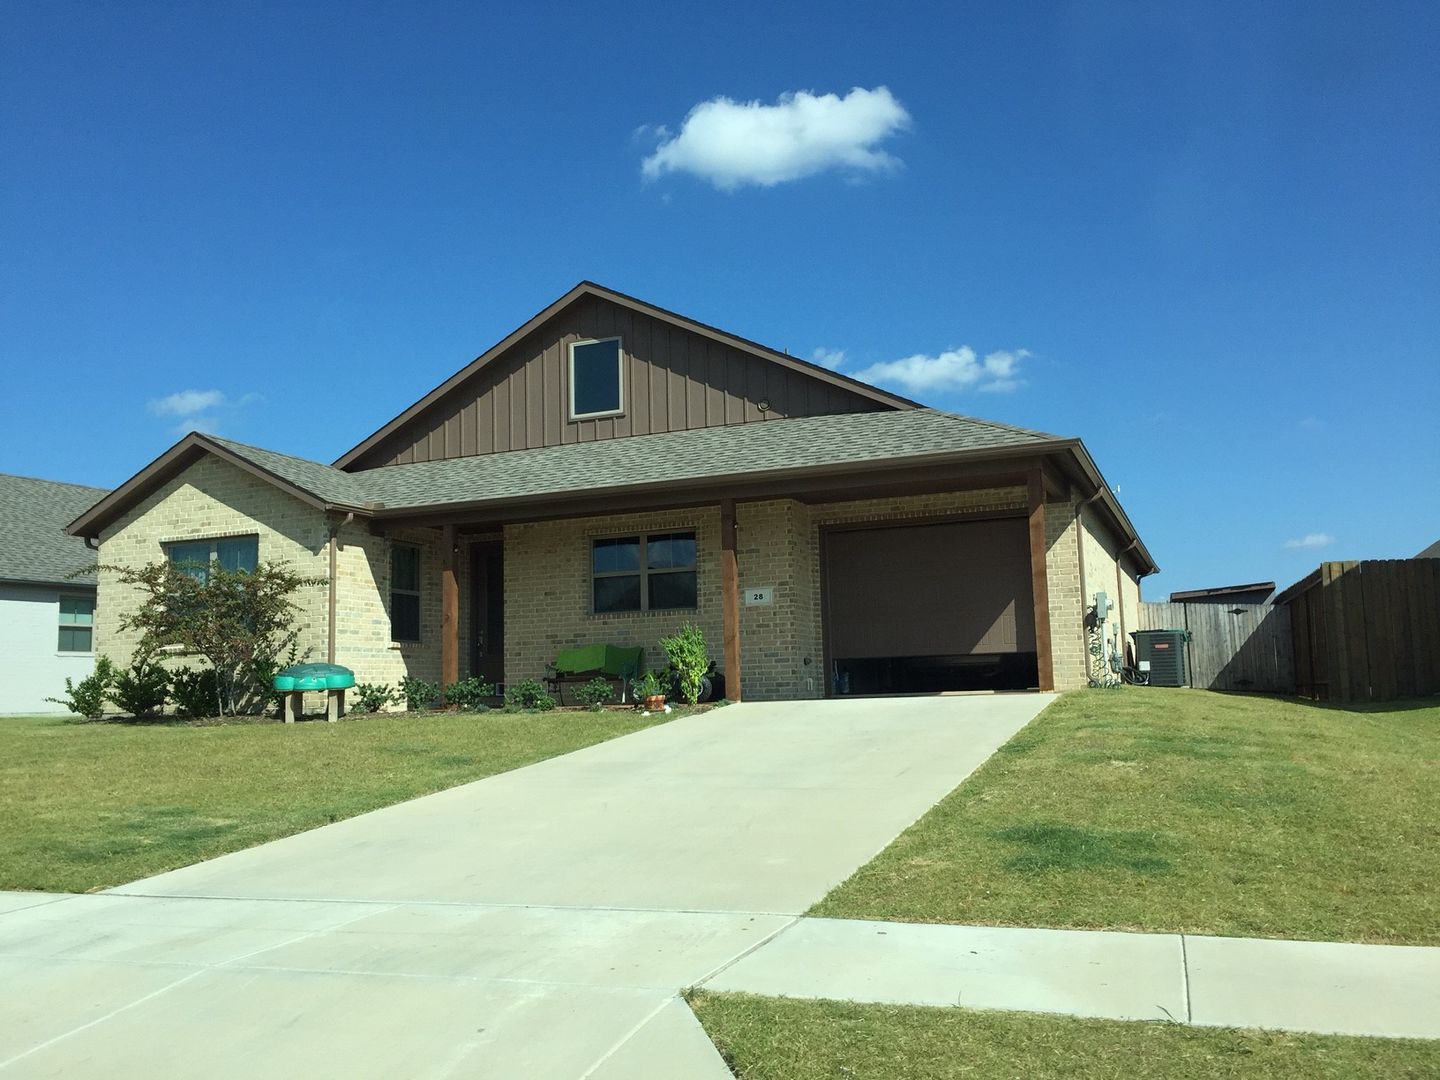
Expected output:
{"points": [[597, 379], [404, 592], [231, 552], [77, 624], [653, 572]]}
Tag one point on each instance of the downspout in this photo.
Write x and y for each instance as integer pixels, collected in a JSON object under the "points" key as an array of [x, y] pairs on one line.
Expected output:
{"points": [[335, 528]]}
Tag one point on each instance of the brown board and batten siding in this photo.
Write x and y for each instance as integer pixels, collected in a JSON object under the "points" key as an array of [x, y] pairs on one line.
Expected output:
{"points": [[675, 380]]}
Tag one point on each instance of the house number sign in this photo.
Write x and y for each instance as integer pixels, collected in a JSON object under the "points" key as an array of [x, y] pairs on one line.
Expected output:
{"points": [[760, 597]]}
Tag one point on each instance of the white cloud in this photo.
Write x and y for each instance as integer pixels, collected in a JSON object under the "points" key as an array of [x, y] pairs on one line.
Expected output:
{"points": [[954, 369], [197, 409], [828, 358], [733, 143], [187, 402], [1310, 540]]}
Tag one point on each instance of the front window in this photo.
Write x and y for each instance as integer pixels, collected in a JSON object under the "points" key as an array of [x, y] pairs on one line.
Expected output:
{"points": [[597, 383], [643, 573], [404, 592], [232, 553], [77, 624]]}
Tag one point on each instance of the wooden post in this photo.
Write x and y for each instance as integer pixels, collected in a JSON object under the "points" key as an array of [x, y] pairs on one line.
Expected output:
{"points": [[449, 610], [730, 587], [1039, 582]]}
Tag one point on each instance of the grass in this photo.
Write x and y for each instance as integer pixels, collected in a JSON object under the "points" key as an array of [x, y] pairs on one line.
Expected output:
{"points": [[785, 1039], [88, 806], [1189, 811]]}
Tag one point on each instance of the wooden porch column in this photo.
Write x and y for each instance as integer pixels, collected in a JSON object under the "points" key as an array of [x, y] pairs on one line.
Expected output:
{"points": [[449, 610], [1039, 582], [730, 587]]}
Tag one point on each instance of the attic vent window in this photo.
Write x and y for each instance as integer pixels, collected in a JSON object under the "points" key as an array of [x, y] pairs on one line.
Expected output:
{"points": [[597, 382]]}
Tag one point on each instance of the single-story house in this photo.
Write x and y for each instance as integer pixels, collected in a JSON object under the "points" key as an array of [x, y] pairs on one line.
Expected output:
{"points": [[1254, 592], [46, 615], [610, 470]]}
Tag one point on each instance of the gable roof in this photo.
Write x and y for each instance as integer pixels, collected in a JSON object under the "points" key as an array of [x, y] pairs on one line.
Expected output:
{"points": [[34, 546], [590, 288]]}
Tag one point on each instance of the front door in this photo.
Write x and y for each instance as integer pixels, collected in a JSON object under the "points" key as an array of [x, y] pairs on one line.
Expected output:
{"points": [[487, 610]]}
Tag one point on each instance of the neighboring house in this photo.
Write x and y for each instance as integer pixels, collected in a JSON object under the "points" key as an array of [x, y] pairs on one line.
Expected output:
{"points": [[611, 470], [1431, 552], [46, 616], [1256, 592]]}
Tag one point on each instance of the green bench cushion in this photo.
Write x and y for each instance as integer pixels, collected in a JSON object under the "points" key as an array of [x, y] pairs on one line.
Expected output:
{"points": [[614, 660], [314, 677]]}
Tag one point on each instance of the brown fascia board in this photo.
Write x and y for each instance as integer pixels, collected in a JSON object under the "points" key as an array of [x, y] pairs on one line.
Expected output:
{"points": [[1223, 590], [1086, 464], [170, 463], [589, 288], [734, 485]]}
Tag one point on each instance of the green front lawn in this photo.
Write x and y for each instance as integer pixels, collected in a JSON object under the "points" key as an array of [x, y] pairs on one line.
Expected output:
{"points": [[86, 806], [1183, 810], [785, 1039]]}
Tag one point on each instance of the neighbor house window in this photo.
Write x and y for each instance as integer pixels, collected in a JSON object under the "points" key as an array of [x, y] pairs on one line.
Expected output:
{"points": [[77, 624], [404, 592], [643, 573], [232, 553], [597, 382]]}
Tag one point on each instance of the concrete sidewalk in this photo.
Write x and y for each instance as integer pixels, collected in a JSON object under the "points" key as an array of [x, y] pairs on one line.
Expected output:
{"points": [[1326, 987]]}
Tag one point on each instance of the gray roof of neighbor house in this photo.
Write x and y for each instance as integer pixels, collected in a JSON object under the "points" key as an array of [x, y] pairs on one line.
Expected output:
{"points": [[34, 546]]}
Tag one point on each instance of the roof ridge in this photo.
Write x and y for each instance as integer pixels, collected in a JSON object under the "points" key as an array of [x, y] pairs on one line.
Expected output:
{"points": [[46, 480]]}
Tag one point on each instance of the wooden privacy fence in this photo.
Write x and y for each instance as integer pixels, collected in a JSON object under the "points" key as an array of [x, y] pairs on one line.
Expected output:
{"points": [[1367, 631], [1232, 646]]}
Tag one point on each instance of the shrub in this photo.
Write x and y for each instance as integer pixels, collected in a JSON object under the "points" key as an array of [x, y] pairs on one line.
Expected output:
{"points": [[530, 695], [87, 697], [689, 658], [648, 685], [418, 693], [469, 694], [260, 690], [372, 697], [195, 691], [594, 694], [143, 689]]}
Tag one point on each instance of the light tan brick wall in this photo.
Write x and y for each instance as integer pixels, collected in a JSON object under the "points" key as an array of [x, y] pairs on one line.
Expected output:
{"points": [[547, 590], [214, 499], [1102, 574], [1062, 574]]}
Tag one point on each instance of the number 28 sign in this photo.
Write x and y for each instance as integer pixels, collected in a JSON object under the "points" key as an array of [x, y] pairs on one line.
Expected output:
{"points": [[759, 596]]}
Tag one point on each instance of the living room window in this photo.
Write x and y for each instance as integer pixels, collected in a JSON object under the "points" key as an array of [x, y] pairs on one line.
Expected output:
{"points": [[404, 592], [653, 572], [77, 624], [597, 379], [232, 553]]}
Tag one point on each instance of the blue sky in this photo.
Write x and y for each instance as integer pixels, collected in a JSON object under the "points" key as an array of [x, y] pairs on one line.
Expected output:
{"points": [[1205, 238]]}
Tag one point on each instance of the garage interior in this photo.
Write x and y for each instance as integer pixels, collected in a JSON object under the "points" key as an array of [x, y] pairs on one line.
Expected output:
{"points": [[929, 607]]}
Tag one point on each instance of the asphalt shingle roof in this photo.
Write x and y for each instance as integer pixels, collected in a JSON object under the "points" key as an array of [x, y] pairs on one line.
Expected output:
{"points": [[33, 543], [677, 456]]}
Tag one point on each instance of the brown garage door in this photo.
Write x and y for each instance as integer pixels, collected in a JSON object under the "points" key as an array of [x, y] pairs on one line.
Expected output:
{"points": [[953, 589]]}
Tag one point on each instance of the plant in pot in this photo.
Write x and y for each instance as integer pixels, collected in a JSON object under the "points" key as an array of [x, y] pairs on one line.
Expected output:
{"points": [[649, 690]]}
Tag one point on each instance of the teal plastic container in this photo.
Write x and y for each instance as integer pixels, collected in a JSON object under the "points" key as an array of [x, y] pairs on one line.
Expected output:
{"points": [[315, 677]]}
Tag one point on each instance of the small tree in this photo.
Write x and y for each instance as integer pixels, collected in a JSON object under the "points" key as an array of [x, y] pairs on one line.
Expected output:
{"points": [[240, 621], [689, 658]]}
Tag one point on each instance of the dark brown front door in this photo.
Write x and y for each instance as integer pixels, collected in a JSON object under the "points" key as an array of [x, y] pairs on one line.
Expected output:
{"points": [[487, 610]]}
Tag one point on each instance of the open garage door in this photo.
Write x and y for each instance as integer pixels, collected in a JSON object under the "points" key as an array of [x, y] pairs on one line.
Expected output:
{"points": [[926, 608]]}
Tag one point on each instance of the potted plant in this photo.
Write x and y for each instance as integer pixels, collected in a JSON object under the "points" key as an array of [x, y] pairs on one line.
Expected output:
{"points": [[649, 689]]}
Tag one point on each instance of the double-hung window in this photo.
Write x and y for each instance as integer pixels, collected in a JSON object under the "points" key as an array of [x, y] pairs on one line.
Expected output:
{"points": [[404, 592], [77, 624], [597, 379], [232, 553], [652, 572]]}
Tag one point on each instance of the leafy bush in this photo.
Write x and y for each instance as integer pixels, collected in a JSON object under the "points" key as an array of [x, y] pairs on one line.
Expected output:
{"points": [[469, 694], [595, 694], [689, 658], [372, 697], [143, 689], [87, 697], [649, 684], [259, 691], [195, 691], [530, 695], [418, 693]]}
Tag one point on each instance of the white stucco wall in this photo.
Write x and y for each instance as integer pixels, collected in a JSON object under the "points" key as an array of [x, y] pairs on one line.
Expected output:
{"points": [[31, 666]]}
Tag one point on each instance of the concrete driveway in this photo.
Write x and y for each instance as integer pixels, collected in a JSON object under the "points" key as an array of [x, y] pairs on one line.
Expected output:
{"points": [[533, 924]]}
